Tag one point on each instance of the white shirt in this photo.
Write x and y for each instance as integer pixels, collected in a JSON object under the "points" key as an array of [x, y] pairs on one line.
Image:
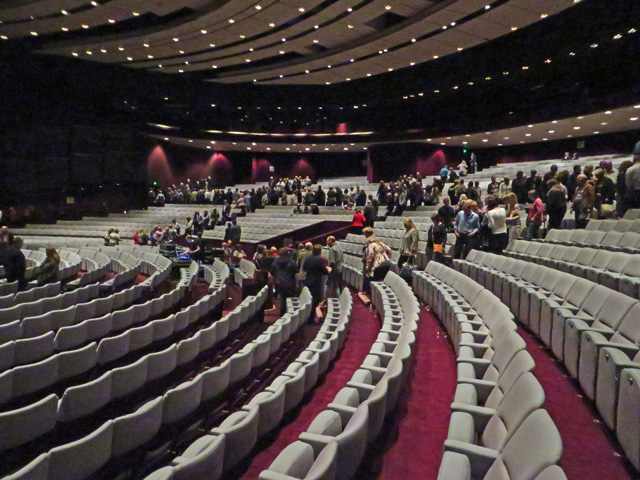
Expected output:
{"points": [[497, 220]]}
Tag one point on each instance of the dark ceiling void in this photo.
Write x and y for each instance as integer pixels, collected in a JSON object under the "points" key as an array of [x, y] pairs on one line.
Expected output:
{"points": [[386, 20]]}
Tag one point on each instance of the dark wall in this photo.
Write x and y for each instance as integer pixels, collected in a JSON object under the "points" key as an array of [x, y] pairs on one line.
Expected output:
{"points": [[387, 161], [169, 163], [46, 163]]}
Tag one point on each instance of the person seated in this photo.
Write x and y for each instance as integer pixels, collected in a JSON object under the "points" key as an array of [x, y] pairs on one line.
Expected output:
{"points": [[48, 269], [239, 252], [114, 238]]}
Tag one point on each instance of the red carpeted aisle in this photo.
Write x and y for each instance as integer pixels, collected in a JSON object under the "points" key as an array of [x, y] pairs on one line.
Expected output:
{"points": [[364, 328], [589, 453], [410, 447]]}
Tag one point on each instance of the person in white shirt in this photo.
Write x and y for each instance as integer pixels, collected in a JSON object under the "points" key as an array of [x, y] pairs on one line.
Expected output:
{"points": [[496, 220]]}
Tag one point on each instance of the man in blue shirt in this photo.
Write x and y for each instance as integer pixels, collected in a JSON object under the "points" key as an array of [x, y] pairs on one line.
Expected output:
{"points": [[466, 230], [444, 173]]}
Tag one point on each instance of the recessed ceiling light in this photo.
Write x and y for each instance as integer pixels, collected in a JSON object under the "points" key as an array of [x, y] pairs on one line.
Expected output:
{"points": [[632, 30], [160, 65], [214, 66], [487, 7], [555, 121], [301, 9], [459, 49], [435, 56], [145, 45], [412, 64], [65, 29], [349, 9], [251, 49], [181, 51], [231, 20], [135, 14], [64, 12], [75, 54], [513, 29], [572, 54], [544, 15], [576, 128], [617, 37], [272, 24], [348, 79], [258, 7], [548, 60], [603, 123], [284, 39], [594, 45], [525, 67], [212, 45], [129, 58], [316, 27], [35, 34], [608, 112], [552, 131], [484, 140], [203, 31], [391, 69], [350, 26], [149, 56], [103, 50], [633, 119], [487, 78], [388, 7], [368, 74]]}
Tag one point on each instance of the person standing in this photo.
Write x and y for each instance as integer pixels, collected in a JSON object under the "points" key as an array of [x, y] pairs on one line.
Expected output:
{"points": [[436, 239], [496, 220], [556, 205], [358, 221], [377, 259], [335, 265], [535, 215], [15, 264], [369, 213], [283, 270], [466, 230], [583, 201], [409, 246], [315, 268], [447, 213]]}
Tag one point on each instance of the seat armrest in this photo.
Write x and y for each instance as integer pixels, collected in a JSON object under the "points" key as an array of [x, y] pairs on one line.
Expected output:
{"points": [[483, 387], [345, 411], [317, 442], [481, 415], [479, 349], [481, 458], [270, 475]]}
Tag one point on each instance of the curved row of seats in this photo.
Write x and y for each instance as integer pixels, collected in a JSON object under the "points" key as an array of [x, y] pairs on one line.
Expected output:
{"points": [[621, 225], [34, 357], [498, 428], [35, 337], [81, 458], [616, 270], [30, 295], [335, 442], [628, 242], [594, 330], [8, 316], [226, 445]]}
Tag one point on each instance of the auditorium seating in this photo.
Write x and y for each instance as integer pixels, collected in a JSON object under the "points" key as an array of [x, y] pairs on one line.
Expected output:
{"points": [[227, 444], [339, 436], [594, 330], [519, 439]]}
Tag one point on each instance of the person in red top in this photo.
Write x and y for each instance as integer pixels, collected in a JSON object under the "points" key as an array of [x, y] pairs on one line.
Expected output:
{"points": [[358, 221], [535, 216]]}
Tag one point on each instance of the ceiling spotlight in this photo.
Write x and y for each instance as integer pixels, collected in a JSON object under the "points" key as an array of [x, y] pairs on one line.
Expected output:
{"points": [[135, 14], [594, 45], [282, 52], [633, 119], [617, 37], [121, 48], [75, 54], [316, 41], [487, 7], [258, 7], [435, 57], [608, 112], [349, 9], [350, 26], [64, 12], [103, 50], [35, 34], [633, 30], [576, 128], [65, 29], [272, 24], [129, 58], [284, 39], [572, 54], [231, 20], [513, 29], [212, 45], [453, 24], [525, 68], [548, 60], [149, 56], [544, 15], [94, 3], [413, 40], [145, 45], [301, 9], [388, 7], [203, 31], [316, 27], [111, 20]]}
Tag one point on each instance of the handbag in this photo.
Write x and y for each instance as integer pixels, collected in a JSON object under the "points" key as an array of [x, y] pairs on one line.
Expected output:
{"points": [[408, 268]]}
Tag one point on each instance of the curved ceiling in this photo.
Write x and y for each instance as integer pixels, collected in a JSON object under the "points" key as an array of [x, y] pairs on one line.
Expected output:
{"points": [[268, 41]]}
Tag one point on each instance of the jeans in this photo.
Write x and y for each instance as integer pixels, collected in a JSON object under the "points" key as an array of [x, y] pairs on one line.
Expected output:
{"points": [[464, 244]]}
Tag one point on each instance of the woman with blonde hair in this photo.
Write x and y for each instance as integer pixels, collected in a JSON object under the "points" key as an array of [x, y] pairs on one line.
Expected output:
{"points": [[48, 270], [376, 259], [409, 247], [512, 209]]}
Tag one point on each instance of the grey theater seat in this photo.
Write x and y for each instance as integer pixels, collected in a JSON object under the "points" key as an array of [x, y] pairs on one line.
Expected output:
{"points": [[533, 447], [298, 462]]}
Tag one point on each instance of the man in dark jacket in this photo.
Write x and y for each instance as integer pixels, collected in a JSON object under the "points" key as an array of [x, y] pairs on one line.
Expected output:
{"points": [[235, 232], [15, 265], [369, 214], [320, 197], [283, 270], [315, 267]]}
